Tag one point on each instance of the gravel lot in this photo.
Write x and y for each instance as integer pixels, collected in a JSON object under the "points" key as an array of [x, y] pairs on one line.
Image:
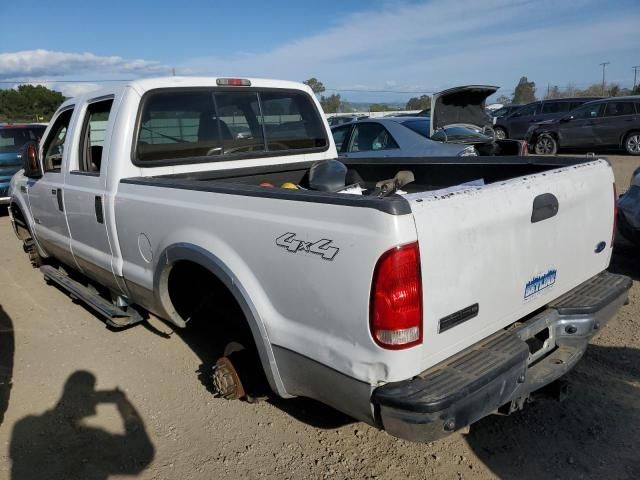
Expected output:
{"points": [[151, 416]]}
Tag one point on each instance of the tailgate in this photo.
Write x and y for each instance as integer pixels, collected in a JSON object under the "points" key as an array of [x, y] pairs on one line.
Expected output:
{"points": [[486, 264]]}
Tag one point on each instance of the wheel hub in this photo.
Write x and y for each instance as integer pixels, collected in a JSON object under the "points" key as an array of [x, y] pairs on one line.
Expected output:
{"points": [[225, 379]]}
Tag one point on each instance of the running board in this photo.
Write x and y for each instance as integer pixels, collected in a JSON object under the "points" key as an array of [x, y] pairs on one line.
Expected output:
{"points": [[114, 316]]}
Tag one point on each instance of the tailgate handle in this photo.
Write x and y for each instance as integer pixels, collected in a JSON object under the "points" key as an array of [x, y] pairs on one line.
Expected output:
{"points": [[544, 206]]}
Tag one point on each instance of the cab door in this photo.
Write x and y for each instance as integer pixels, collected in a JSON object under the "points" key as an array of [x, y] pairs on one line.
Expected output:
{"points": [[85, 193], [46, 194]]}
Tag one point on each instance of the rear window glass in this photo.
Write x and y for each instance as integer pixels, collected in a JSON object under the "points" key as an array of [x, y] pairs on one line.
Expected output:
{"points": [[13, 138], [222, 124], [418, 126]]}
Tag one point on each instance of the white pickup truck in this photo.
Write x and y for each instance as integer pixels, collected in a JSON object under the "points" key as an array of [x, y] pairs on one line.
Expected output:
{"points": [[418, 295]]}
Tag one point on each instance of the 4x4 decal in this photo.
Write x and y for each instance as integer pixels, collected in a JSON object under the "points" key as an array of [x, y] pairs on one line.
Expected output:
{"points": [[321, 247]]}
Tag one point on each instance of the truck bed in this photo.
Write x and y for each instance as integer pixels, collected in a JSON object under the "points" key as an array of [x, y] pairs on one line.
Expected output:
{"points": [[431, 173]]}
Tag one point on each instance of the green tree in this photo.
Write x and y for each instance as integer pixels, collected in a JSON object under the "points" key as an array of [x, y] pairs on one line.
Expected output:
{"points": [[636, 91], [316, 85], [29, 103], [423, 102], [331, 104], [525, 91]]}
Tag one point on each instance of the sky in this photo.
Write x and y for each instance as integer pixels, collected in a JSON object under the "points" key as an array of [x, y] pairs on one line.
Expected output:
{"points": [[366, 50]]}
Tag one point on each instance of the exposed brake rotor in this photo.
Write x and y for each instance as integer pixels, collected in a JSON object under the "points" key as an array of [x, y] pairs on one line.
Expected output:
{"points": [[226, 381]]}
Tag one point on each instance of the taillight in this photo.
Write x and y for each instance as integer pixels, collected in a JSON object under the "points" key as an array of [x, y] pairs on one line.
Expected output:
{"points": [[615, 214], [395, 315], [525, 149]]}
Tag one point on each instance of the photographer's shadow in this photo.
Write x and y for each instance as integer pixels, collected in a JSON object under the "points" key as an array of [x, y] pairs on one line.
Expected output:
{"points": [[58, 445]]}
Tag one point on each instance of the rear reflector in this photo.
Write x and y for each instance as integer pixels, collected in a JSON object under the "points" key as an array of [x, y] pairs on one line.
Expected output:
{"points": [[233, 82], [395, 313]]}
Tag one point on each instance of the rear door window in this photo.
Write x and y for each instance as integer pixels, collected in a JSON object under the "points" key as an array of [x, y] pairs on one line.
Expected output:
{"points": [[555, 107], [526, 111], [191, 126], [93, 132], [368, 136], [616, 109]]}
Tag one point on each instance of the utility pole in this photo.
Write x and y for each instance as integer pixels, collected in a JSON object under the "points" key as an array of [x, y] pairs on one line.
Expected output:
{"points": [[604, 66], [635, 74]]}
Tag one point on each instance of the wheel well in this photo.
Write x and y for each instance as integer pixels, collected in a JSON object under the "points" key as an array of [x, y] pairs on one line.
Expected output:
{"points": [[195, 291], [216, 323], [624, 137], [20, 222]]}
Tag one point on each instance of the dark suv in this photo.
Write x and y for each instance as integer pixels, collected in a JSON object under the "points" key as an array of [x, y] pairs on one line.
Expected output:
{"points": [[516, 124], [610, 123], [12, 139]]}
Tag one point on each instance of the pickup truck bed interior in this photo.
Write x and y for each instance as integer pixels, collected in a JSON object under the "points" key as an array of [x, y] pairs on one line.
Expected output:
{"points": [[431, 173]]}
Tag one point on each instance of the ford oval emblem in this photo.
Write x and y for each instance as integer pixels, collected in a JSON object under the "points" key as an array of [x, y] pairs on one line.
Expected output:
{"points": [[600, 247]]}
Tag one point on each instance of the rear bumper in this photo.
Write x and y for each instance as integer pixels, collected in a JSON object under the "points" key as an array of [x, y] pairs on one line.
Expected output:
{"points": [[5, 200], [505, 367]]}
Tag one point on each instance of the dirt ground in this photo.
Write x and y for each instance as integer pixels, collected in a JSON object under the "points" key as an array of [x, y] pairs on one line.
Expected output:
{"points": [[90, 403]]}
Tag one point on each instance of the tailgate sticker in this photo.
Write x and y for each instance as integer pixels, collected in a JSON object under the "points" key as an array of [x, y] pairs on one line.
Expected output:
{"points": [[537, 284]]}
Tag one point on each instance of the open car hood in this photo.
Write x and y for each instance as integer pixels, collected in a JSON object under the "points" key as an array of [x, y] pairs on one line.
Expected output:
{"points": [[460, 106]]}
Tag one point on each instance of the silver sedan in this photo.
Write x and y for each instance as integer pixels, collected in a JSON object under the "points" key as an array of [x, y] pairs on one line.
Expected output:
{"points": [[406, 137]]}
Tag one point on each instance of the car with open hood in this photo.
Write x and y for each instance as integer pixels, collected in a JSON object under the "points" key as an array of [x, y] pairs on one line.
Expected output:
{"points": [[457, 125]]}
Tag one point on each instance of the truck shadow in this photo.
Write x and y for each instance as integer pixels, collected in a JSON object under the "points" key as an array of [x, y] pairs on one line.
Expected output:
{"points": [[209, 343], [59, 444], [593, 434], [7, 350]]}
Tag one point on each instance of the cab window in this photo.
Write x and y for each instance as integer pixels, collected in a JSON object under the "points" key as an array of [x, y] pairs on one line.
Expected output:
{"points": [[368, 136], [53, 146], [222, 124]]}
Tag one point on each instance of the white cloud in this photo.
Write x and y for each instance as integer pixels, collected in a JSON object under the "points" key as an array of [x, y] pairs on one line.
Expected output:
{"points": [[74, 89], [41, 63], [433, 45]]}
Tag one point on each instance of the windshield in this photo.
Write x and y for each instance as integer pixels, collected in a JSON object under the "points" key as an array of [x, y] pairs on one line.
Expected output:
{"points": [[13, 138], [449, 134]]}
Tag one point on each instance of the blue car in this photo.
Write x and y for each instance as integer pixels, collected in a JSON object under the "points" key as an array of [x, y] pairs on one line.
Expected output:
{"points": [[12, 139]]}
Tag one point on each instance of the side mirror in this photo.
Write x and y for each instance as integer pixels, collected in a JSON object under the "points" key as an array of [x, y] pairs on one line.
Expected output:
{"points": [[568, 118], [31, 161]]}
